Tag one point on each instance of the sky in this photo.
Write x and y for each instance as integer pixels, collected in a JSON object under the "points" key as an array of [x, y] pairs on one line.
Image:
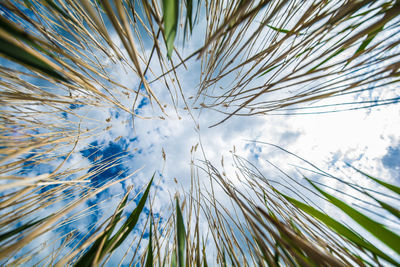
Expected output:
{"points": [[366, 138]]}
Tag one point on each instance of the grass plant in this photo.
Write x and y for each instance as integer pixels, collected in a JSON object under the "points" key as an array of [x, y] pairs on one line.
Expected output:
{"points": [[257, 58]]}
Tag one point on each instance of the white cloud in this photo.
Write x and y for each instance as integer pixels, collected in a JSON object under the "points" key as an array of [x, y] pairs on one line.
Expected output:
{"points": [[360, 137]]}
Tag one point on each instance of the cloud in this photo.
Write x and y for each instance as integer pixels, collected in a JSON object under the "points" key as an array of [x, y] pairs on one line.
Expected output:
{"points": [[364, 138], [392, 160], [327, 140]]}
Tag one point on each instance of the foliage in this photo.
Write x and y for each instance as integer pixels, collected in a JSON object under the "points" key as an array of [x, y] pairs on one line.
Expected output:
{"points": [[257, 57]]}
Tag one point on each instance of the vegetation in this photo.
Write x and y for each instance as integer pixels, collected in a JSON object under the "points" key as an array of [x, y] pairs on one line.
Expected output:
{"points": [[257, 58]]}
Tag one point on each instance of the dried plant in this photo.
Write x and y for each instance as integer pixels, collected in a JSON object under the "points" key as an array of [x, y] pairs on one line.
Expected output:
{"points": [[258, 57]]}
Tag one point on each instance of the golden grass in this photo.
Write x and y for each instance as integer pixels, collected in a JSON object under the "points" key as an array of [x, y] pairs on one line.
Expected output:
{"points": [[257, 58]]}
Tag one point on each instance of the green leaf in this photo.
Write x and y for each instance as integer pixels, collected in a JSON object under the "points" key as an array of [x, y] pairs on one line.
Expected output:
{"points": [[88, 258], [180, 236], [58, 9], [188, 20], [394, 211], [391, 187], [170, 17], [112, 243], [270, 69], [18, 33], [149, 260], [389, 208], [20, 229], [173, 258], [388, 237], [365, 43], [21, 56], [367, 40], [130, 223], [189, 14], [278, 29], [329, 58], [339, 228]]}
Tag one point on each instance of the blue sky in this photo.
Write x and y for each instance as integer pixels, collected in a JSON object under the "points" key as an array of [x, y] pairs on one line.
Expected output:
{"points": [[366, 138], [391, 161]]}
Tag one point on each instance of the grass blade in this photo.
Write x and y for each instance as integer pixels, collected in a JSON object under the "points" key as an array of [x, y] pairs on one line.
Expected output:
{"points": [[391, 187], [149, 260], [173, 258], [326, 60], [58, 9], [388, 237], [130, 223], [112, 243], [204, 255], [18, 33], [19, 55], [19, 229], [367, 40], [189, 14], [170, 17], [338, 227], [180, 236], [268, 70], [278, 29], [88, 258], [389, 208]]}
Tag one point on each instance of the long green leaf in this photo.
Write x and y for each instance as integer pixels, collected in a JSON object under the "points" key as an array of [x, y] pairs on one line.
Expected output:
{"points": [[189, 14], [188, 20], [388, 237], [270, 69], [180, 236], [19, 55], [20, 229], [365, 43], [112, 243], [58, 9], [339, 228], [278, 29], [327, 59], [371, 35], [130, 223], [173, 258], [87, 259], [170, 17], [367, 40], [391, 187], [389, 208], [17, 33], [149, 260], [394, 211]]}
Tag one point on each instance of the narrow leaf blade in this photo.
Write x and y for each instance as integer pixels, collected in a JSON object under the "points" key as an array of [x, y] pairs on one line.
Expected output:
{"points": [[180, 236], [338, 227], [170, 17], [388, 237], [130, 223], [149, 260], [19, 55]]}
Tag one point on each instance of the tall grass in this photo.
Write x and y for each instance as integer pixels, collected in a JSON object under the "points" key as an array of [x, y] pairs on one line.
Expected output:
{"points": [[264, 57], [283, 223]]}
